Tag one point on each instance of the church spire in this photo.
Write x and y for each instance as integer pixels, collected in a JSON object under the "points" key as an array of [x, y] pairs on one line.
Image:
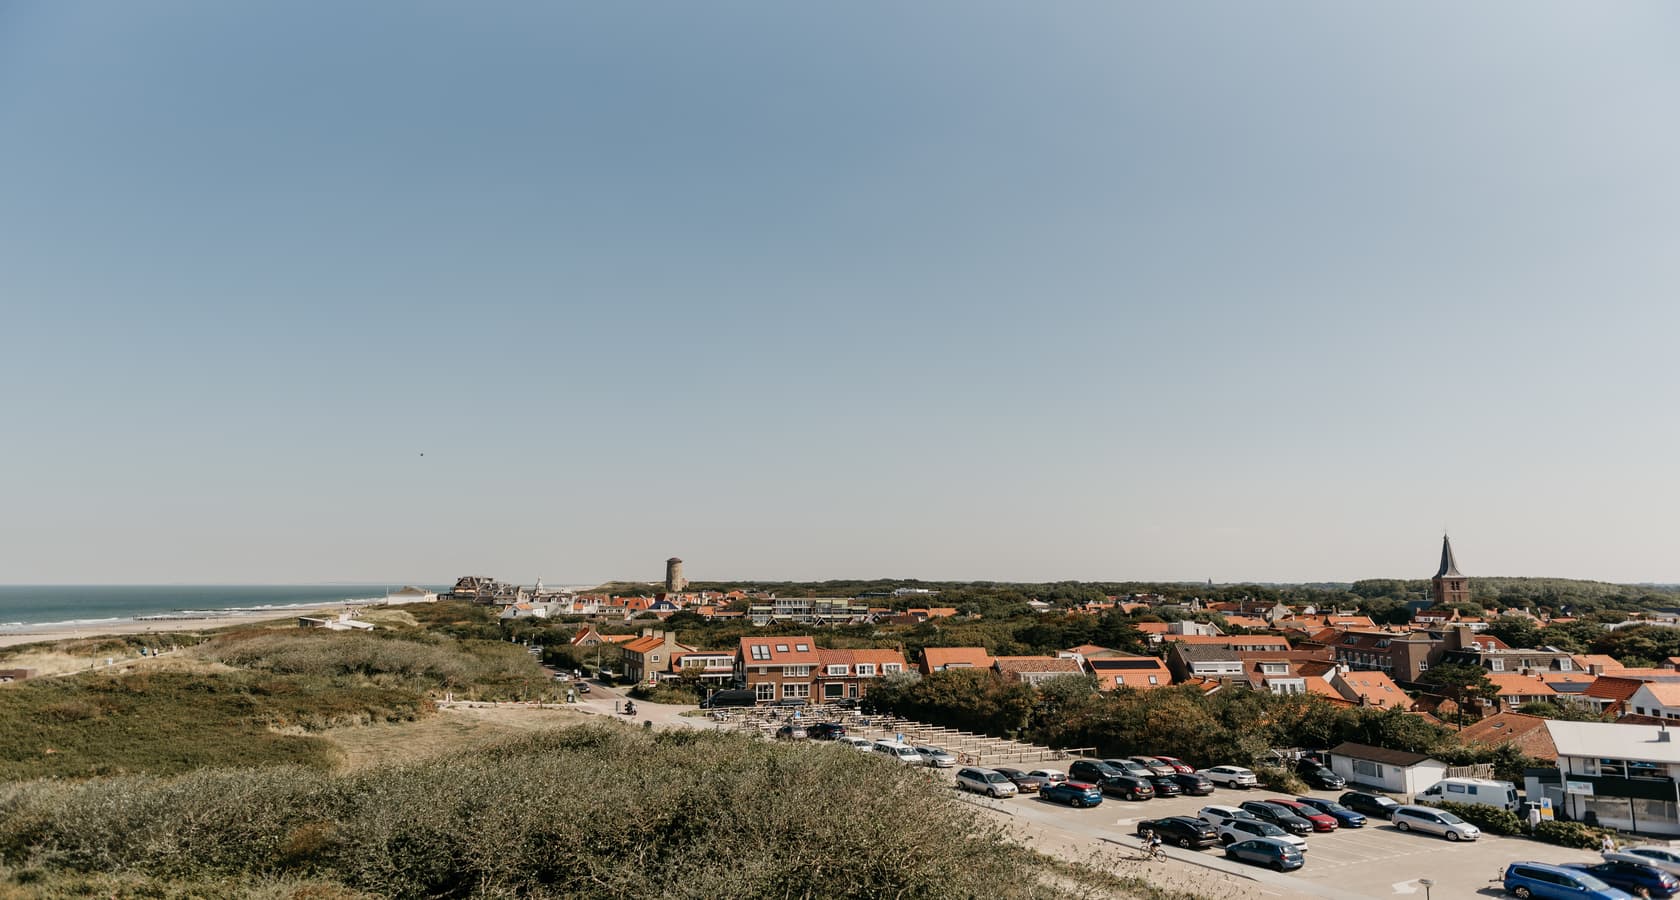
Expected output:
{"points": [[1449, 566]]}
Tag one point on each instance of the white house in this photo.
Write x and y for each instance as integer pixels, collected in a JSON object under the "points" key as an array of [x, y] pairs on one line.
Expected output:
{"points": [[1621, 776], [1393, 771], [1658, 699], [410, 594]]}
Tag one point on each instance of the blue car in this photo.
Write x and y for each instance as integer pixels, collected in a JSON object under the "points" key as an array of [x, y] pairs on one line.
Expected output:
{"points": [[1078, 794], [1269, 852], [1549, 882], [1631, 877], [1345, 818]]}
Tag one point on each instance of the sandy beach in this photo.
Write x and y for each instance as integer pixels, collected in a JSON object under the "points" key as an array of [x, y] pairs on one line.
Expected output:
{"points": [[29, 634]]}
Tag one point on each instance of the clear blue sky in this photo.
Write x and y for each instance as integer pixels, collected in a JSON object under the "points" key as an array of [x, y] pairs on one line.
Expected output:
{"points": [[944, 290]]}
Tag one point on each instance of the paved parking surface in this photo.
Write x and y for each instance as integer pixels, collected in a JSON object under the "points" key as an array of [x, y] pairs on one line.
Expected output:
{"points": [[1376, 861]]}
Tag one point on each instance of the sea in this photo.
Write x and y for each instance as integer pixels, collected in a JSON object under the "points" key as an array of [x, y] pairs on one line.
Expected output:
{"points": [[23, 605]]}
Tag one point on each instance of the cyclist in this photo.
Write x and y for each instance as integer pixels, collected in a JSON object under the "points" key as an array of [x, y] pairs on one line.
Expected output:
{"points": [[1152, 843]]}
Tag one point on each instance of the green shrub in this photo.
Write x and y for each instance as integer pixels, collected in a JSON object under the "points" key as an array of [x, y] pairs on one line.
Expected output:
{"points": [[1279, 778], [1491, 819], [1569, 834], [583, 812]]}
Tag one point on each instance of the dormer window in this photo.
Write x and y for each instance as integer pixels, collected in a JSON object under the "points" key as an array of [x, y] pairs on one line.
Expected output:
{"points": [[781, 648], [803, 648]]}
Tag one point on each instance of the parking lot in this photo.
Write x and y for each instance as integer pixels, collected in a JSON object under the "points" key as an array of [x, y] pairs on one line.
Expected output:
{"points": [[1376, 861]]}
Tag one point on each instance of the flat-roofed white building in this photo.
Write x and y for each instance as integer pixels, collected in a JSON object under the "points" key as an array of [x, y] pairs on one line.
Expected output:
{"points": [[1620, 775]]}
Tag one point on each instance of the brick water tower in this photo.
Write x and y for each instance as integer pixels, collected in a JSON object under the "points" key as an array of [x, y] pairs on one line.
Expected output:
{"points": [[674, 581]]}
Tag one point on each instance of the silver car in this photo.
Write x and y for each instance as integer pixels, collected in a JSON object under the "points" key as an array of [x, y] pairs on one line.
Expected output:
{"points": [[936, 758], [985, 781], [1664, 858], [1434, 821]]}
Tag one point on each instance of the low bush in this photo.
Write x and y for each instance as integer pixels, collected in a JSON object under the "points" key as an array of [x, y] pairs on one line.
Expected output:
{"points": [[672, 692], [1569, 834], [747, 819], [1491, 819], [1279, 778], [479, 670]]}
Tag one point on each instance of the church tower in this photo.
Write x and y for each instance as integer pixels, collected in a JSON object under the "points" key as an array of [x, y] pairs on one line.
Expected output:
{"points": [[1448, 586]]}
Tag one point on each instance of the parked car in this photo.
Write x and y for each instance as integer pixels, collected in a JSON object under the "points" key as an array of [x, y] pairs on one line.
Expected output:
{"points": [[1230, 776], [1321, 778], [1246, 829], [1376, 806], [1267, 852], [1281, 816], [1048, 776], [1549, 882], [730, 697], [1184, 831], [936, 758], [583, 687], [825, 731], [1078, 794], [1166, 785], [1155, 766], [1217, 815], [1320, 820], [1193, 785], [985, 781], [1632, 877], [791, 733], [1434, 821], [1178, 765], [1657, 857], [901, 752], [1345, 818], [1025, 782], [1130, 767], [864, 744], [1093, 770], [1128, 787]]}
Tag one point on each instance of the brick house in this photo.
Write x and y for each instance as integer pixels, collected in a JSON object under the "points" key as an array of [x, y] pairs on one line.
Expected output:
{"points": [[645, 658], [847, 674], [776, 668], [1033, 670], [938, 659], [1128, 670]]}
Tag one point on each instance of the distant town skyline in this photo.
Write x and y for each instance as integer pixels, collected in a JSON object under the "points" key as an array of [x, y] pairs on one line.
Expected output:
{"points": [[949, 291]]}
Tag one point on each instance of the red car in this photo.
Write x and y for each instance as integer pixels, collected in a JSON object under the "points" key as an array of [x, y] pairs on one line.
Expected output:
{"points": [[1177, 764], [1320, 821]]}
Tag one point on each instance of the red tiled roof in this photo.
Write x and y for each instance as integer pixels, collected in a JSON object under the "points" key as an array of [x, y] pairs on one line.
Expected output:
{"points": [[1612, 687], [936, 658], [1037, 664], [782, 651], [1528, 733]]}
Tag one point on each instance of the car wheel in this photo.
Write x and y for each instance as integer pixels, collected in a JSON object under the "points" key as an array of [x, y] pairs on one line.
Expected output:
{"points": [[1277, 864], [1226, 839], [1079, 803], [1454, 836], [1402, 826], [1184, 842], [1523, 893]]}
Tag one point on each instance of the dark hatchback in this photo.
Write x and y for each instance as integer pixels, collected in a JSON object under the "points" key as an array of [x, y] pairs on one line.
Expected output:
{"points": [[1631, 877], [1023, 782], [1281, 816], [1166, 785], [1269, 852], [1376, 806], [1193, 785], [1322, 778], [1128, 787], [1078, 794], [825, 731], [1092, 770], [1182, 831], [1345, 818]]}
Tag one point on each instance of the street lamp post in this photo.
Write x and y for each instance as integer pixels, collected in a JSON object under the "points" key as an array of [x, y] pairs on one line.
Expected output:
{"points": [[1427, 884]]}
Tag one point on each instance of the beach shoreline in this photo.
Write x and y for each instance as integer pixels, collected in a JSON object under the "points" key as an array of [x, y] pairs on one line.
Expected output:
{"points": [[13, 635]]}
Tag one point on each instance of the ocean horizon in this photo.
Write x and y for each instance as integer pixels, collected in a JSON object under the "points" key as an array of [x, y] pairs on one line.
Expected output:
{"points": [[88, 605]]}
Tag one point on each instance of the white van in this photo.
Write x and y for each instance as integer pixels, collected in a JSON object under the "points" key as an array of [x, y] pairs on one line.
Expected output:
{"points": [[900, 751], [1472, 791]]}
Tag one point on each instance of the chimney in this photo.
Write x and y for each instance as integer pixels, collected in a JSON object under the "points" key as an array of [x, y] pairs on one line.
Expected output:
{"points": [[1662, 734]]}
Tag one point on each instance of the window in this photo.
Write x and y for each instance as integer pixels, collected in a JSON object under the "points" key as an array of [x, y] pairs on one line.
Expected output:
{"points": [[794, 691], [765, 691], [1423, 667], [1496, 664], [654, 658], [803, 648], [781, 648], [760, 651], [796, 671], [1154, 680], [1351, 640], [1365, 767], [1564, 665], [836, 669], [891, 668], [866, 670], [1455, 788], [834, 690]]}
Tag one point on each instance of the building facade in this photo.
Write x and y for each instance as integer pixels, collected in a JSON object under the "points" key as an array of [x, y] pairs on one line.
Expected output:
{"points": [[1448, 585]]}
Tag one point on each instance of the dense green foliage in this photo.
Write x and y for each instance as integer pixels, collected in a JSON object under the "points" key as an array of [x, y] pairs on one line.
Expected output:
{"points": [[412, 660], [581, 812], [1569, 834], [168, 722]]}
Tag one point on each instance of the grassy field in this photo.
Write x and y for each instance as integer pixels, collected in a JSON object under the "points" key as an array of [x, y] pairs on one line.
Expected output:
{"points": [[590, 811]]}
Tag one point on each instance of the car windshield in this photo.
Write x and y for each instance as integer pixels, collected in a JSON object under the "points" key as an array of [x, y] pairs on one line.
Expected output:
{"points": [[1450, 819], [1334, 808], [1265, 828], [1590, 882]]}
